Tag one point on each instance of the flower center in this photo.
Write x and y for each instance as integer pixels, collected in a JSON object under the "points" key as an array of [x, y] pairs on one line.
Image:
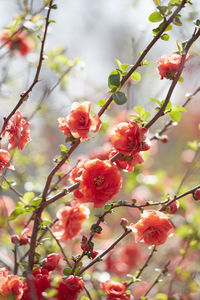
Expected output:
{"points": [[82, 120], [98, 180]]}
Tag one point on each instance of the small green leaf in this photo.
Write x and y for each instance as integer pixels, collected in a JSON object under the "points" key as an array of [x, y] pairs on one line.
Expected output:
{"points": [[197, 22], [179, 108], [165, 37], [17, 212], [136, 76], [67, 271], [84, 298], [28, 197], [114, 79], [36, 202], [180, 79], [119, 98], [177, 21], [163, 9], [161, 296], [54, 6], [155, 100], [155, 17], [101, 102], [157, 2], [107, 207], [63, 149], [49, 293], [194, 145], [140, 110], [175, 116]]}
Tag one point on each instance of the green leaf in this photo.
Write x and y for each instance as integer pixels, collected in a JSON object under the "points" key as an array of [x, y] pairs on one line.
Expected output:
{"points": [[163, 9], [84, 298], [54, 6], [180, 79], [157, 2], [179, 108], [194, 145], [121, 66], [136, 76], [155, 17], [67, 271], [63, 149], [165, 37], [114, 79], [177, 21], [36, 202], [155, 100], [28, 197], [107, 207], [197, 22], [140, 110], [101, 102], [175, 116], [146, 115], [17, 212], [161, 296], [49, 293], [119, 98], [5, 186]]}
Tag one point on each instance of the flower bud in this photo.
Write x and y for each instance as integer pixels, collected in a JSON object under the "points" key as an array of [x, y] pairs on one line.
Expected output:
{"points": [[196, 194], [51, 261], [164, 139]]}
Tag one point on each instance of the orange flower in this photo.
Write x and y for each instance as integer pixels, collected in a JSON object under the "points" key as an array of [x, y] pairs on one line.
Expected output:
{"points": [[70, 219], [100, 182], [19, 42], [169, 65], [10, 284], [80, 122], [128, 162], [4, 160], [128, 138], [115, 290], [153, 228], [18, 131]]}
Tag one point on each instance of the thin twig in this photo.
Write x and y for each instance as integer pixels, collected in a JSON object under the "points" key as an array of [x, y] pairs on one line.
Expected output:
{"points": [[59, 245]]}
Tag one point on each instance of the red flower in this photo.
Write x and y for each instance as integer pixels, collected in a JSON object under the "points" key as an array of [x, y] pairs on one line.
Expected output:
{"points": [[124, 259], [115, 290], [128, 162], [100, 182], [19, 42], [51, 261], [18, 131], [69, 288], [4, 160], [41, 282], [10, 285], [128, 138], [169, 65], [80, 122], [70, 219], [153, 228]]}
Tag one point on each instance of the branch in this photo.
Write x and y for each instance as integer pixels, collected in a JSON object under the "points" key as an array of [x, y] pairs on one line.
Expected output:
{"points": [[98, 258], [144, 53], [161, 111], [36, 78]]}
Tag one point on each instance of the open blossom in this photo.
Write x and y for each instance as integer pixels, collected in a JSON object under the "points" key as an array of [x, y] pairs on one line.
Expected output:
{"points": [[100, 181], [70, 219], [4, 160], [19, 42], [41, 281], [10, 285], [18, 130], [115, 290], [128, 138], [169, 65], [79, 122], [69, 288], [121, 261], [153, 228], [128, 162]]}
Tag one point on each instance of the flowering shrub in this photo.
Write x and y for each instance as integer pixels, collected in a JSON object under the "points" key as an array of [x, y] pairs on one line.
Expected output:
{"points": [[104, 205]]}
